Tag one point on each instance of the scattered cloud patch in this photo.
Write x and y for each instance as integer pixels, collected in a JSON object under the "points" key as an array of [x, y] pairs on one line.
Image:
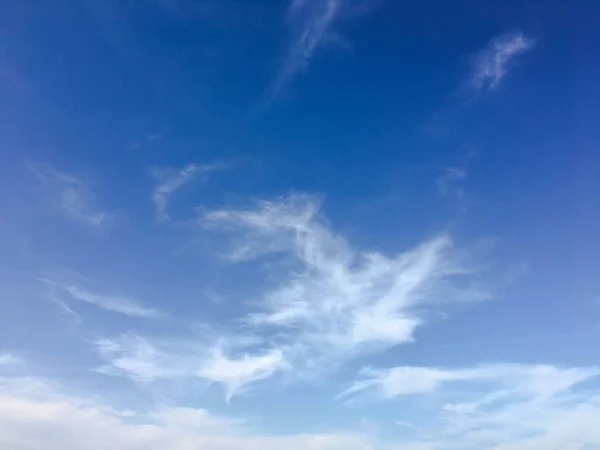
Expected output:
{"points": [[170, 180], [491, 64], [497, 406], [75, 196], [213, 360]]}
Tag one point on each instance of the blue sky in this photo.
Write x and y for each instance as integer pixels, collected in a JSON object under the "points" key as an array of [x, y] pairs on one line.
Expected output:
{"points": [[305, 224]]}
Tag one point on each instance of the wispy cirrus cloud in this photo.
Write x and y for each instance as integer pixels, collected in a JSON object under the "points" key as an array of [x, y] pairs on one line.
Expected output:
{"points": [[333, 302], [74, 195], [170, 180], [212, 359], [491, 64], [330, 303], [62, 293], [496, 406], [311, 23]]}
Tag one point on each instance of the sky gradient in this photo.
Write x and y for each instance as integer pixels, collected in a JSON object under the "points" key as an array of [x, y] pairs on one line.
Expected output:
{"points": [[305, 224]]}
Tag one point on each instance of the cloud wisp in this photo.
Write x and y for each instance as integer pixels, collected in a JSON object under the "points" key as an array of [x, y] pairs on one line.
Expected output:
{"points": [[491, 64], [121, 305], [497, 406], [329, 303], [332, 302], [170, 181], [229, 362], [74, 195], [311, 23]]}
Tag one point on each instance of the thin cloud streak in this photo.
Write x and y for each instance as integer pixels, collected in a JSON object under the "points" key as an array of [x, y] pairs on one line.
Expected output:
{"points": [[172, 180], [311, 23], [117, 304], [541, 381], [74, 196], [491, 65]]}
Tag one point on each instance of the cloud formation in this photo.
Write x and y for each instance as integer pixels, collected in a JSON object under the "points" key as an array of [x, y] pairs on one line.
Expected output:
{"points": [[491, 64], [329, 302], [117, 304], [213, 360], [497, 406], [333, 302], [170, 181], [38, 414], [236, 373], [75, 197], [311, 23]]}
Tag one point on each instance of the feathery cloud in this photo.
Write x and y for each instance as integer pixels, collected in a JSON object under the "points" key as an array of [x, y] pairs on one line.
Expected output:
{"points": [[491, 64], [172, 180], [121, 305], [497, 406], [332, 302], [311, 23], [225, 361], [539, 381], [74, 195]]}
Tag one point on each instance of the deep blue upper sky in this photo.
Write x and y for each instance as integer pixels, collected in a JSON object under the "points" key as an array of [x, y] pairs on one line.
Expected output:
{"points": [[352, 224]]}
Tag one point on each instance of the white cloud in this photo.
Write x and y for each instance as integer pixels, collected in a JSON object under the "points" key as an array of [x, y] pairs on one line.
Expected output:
{"points": [[39, 415], [74, 196], [235, 373], [311, 22], [332, 302], [498, 406], [142, 360], [226, 362], [121, 305], [493, 62], [172, 180], [541, 381]]}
